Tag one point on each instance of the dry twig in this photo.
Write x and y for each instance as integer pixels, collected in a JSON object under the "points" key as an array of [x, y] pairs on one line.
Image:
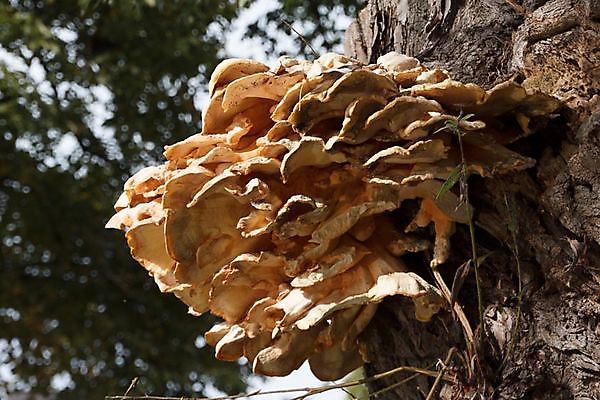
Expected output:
{"points": [[309, 391]]}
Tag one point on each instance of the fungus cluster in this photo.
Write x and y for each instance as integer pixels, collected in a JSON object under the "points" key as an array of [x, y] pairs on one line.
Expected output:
{"points": [[277, 218]]}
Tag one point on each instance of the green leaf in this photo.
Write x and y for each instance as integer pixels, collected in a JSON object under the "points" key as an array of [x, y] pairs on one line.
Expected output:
{"points": [[450, 182]]}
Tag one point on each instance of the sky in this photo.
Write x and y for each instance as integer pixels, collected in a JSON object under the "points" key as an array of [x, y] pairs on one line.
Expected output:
{"points": [[99, 99]]}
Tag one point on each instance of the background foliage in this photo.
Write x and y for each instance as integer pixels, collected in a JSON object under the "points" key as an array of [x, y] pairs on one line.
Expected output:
{"points": [[90, 91]]}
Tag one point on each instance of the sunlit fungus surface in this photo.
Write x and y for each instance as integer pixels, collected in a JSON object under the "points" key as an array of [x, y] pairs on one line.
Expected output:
{"points": [[277, 218]]}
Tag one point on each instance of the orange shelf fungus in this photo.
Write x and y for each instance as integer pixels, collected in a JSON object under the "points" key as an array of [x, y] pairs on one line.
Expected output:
{"points": [[277, 217]]}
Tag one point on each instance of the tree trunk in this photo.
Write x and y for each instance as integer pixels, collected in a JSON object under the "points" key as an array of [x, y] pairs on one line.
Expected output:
{"points": [[546, 346]]}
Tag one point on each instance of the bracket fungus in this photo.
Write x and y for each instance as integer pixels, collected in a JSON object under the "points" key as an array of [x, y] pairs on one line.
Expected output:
{"points": [[277, 217]]}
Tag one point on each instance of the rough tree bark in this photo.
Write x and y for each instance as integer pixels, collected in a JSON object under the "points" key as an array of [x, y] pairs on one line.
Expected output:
{"points": [[549, 346]]}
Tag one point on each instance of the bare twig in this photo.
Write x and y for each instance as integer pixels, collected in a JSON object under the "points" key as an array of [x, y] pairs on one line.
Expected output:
{"points": [[392, 386], [349, 393], [438, 379], [306, 42], [132, 385], [309, 391]]}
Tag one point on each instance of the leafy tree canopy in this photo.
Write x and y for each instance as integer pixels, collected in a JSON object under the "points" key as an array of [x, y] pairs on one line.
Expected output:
{"points": [[90, 91]]}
